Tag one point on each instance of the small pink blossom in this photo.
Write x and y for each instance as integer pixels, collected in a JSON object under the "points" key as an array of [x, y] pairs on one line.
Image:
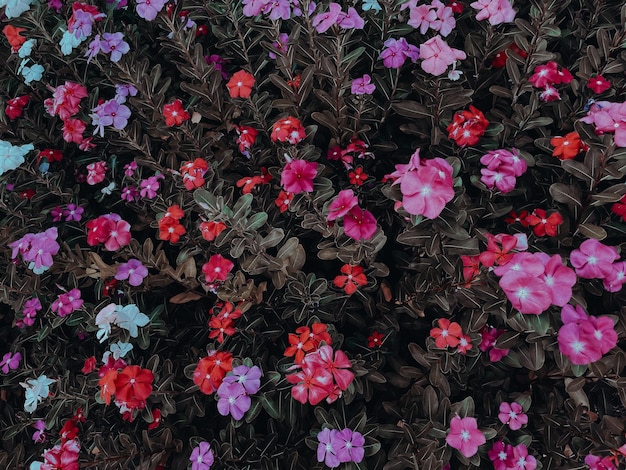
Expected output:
{"points": [[133, 270], [96, 172], [67, 303], [513, 415], [501, 455], [342, 204], [437, 55], [465, 436], [496, 11], [363, 85], [297, 176]]}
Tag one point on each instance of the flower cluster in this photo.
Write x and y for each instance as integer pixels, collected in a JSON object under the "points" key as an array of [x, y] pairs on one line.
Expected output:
{"points": [[595, 260], [275, 10], [170, 228], [306, 340], [67, 303], [29, 312], [503, 167], [426, 185], [127, 317], [235, 390], [357, 148], [546, 77], [495, 11], [288, 129], [436, 16], [358, 224], [193, 173], [221, 322], [608, 117], [15, 106], [211, 370], [324, 375], [35, 391], [508, 457], [109, 229], [337, 447], [131, 386], [449, 333], [110, 43], [37, 249], [467, 127], [585, 338]]}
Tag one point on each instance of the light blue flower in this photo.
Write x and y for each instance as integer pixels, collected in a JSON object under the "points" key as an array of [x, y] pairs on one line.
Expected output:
{"points": [[32, 74], [371, 5], [69, 42], [15, 8], [27, 48]]}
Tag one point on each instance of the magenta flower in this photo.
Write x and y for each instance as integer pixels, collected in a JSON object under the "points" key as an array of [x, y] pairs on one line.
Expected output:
{"points": [[348, 445], [149, 9], [72, 212], [437, 55], [233, 400], [130, 194], [248, 377], [359, 224], [150, 186], [513, 415], [558, 279], [67, 303], [501, 455], [596, 462], [351, 20], [465, 436], [526, 293], [10, 361], [342, 204], [133, 270], [396, 52], [579, 347], [202, 457], [281, 45], [593, 260], [31, 307], [614, 281], [363, 85], [39, 435], [327, 447], [297, 176], [324, 21], [521, 459]]}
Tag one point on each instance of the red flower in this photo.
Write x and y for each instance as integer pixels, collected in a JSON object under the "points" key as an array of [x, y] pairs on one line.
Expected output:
{"points": [[465, 344], [543, 224], [174, 113], [467, 127], [598, 84], [619, 208], [13, 36], [566, 148], [299, 345], [220, 327], [133, 386], [318, 333], [247, 137], [249, 183], [283, 200], [69, 430], [447, 334], [109, 287], [193, 173], [457, 7], [210, 230], [357, 177], [295, 82], [89, 365], [288, 129], [240, 84], [225, 310], [15, 106], [519, 218], [375, 340], [217, 268], [352, 279], [498, 254], [107, 385], [156, 419], [50, 155], [471, 268], [211, 370], [171, 231]]}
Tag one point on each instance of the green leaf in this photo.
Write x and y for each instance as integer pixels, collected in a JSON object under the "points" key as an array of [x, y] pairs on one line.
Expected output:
{"points": [[411, 109], [256, 221], [269, 406]]}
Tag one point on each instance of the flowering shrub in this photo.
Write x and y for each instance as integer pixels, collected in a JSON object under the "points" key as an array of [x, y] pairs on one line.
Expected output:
{"points": [[307, 235]]}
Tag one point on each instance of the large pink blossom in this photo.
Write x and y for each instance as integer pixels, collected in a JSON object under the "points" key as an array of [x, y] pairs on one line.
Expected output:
{"points": [[337, 365], [437, 55], [593, 260], [614, 281], [579, 347], [298, 175], [528, 294], [583, 338], [359, 224], [465, 436], [559, 279]]}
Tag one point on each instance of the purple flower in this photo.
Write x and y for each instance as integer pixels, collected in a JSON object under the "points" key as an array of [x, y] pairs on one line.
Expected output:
{"points": [[278, 9], [57, 214], [393, 55], [149, 9], [218, 62], [130, 194], [10, 361], [351, 20], [109, 113], [67, 303], [281, 45], [233, 400], [133, 270], [39, 436], [82, 25], [327, 447], [114, 44], [349, 446], [55, 5], [363, 85], [73, 213], [40, 249], [122, 91], [150, 186], [324, 21], [202, 457], [94, 48], [248, 377]]}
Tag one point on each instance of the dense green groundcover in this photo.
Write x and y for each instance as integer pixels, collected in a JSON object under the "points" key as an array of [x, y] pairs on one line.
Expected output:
{"points": [[286, 235]]}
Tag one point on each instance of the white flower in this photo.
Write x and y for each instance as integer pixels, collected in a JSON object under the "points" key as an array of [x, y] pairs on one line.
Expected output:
{"points": [[104, 319], [130, 318], [12, 156], [27, 48], [120, 349], [36, 390], [69, 42], [15, 8]]}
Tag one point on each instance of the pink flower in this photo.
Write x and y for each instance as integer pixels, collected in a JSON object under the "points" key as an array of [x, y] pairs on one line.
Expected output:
{"points": [[437, 55], [496, 11], [501, 455], [359, 224], [614, 281], [342, 204], [526, 293], [63, 456], [502, 178], [67, 303], [549, 93], [544, 75], [593, 260], [363, 85], [150, 186], [119, 235], [596, 462], [465, 436], [133, 270], [297, 176], [351, 20], [337, 366], [311, 385], [602, 330], [324, 21], [427, 190], [558, 279], [579, 347], [421, 17], [96, 172], [488, 341], [521, 459], [149, 9], [217, 268], [513, 415], [73, 130]]}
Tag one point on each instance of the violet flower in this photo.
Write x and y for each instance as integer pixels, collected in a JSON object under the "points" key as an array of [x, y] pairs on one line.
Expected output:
{"points": [[202, 457], [114, 44], [133, 270], [233, 400], [248, 377]]}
